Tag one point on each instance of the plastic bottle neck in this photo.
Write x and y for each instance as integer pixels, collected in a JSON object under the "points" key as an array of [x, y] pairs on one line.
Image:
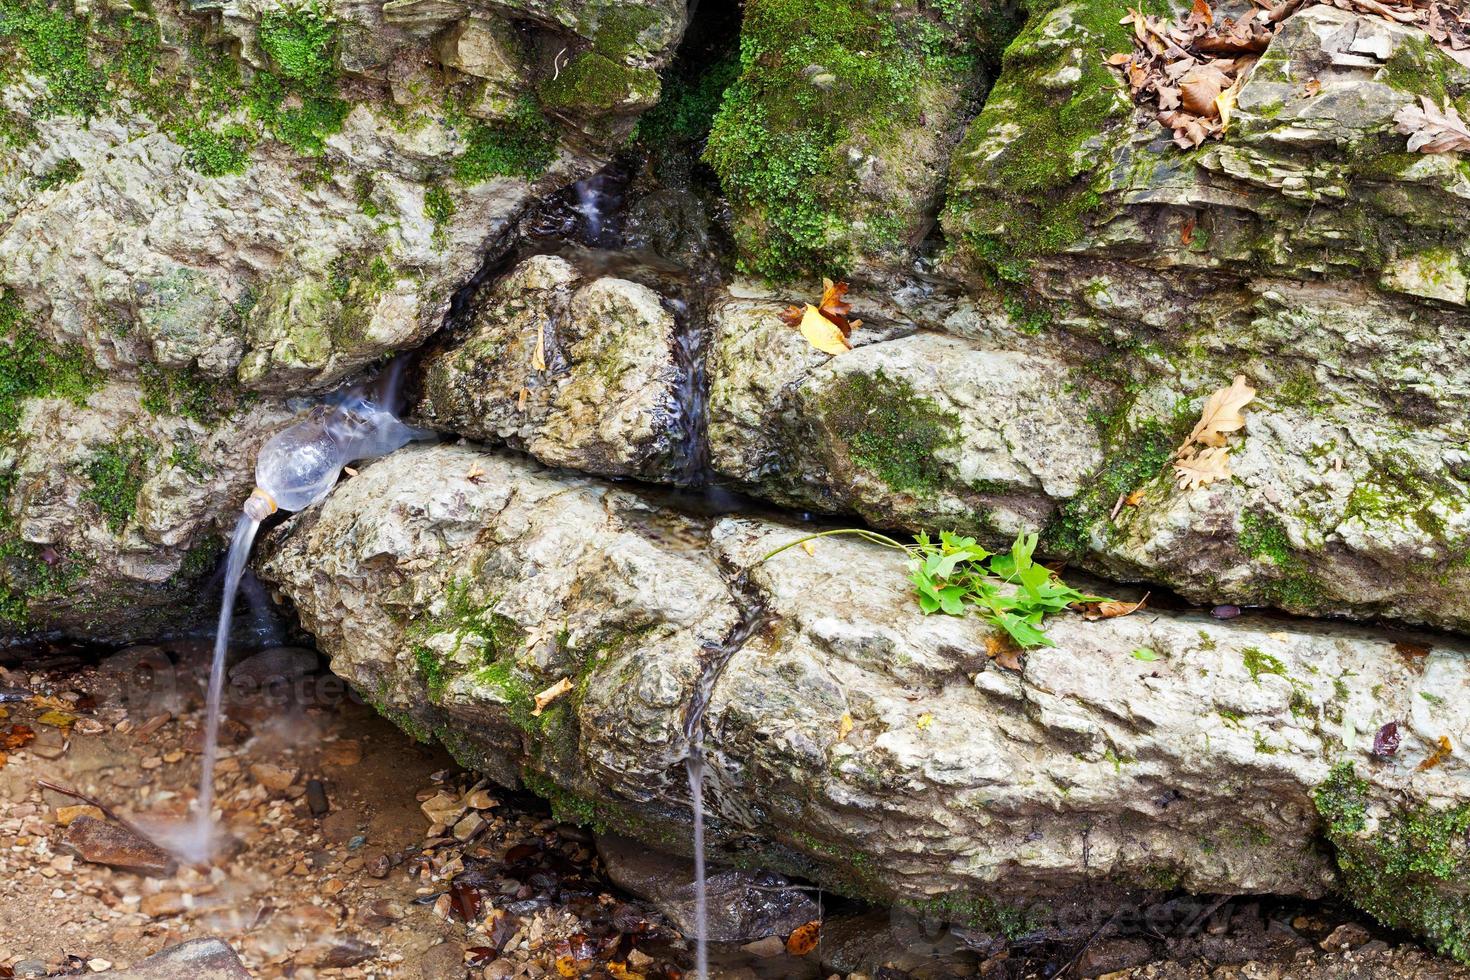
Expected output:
{"points": [[259, 505]]}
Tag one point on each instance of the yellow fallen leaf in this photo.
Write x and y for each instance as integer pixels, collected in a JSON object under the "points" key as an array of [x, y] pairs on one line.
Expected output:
{"points": [[1221, 415], [822, 333], [538, 356], [804, 939], [1204, 468], [57, 719], [1225, 103], [844, 726], [474, 473], [551, 694], [1441, 753], [809, 547], [925, 720], [521, 399]]}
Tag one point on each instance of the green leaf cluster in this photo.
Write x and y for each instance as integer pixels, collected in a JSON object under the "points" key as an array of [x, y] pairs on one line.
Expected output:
{"points": [[957, 576], [1010, 590]]}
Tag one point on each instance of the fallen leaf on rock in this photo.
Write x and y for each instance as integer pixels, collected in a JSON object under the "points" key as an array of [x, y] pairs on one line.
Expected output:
{"points": [[349, 470], [18, 737], [474, 473], [1200, 87], [826, 326], [1386, 742], [1441, 752], [57, 719], [810, 548], [1135, 498], [1112, 608], [1221, 415], [926, 720], [551, 694], [804, 939], [1144, 654], [521, 399], [1203, 469], [998, 647], [844, 726], [1412, 654], [4, 759], [1433, 130], [1186, 235], [538, 356]]}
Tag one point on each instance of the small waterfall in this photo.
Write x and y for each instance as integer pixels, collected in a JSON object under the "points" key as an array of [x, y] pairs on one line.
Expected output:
{"points": [[197, 844], [753, 615], [589, 207]]}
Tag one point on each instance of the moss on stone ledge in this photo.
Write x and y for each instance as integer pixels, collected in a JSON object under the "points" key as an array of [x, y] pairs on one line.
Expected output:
{"points": [[1406, 868], [1025, 178], [817, 85], [891, 431]]}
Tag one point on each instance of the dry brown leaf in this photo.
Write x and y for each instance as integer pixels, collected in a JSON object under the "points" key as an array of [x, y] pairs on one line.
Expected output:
{"points": [[521, 399], [474, 473], [998, 647], [349, 470], [1210, 464], [1112, 609], [1186, 235], [3, 760], [804, 939], [538, 356], [1201, 87], [18, 737], [1433, 130], [1135, 498], [1202, 14], [1221, 415], [549, 695], [844, 726], [1413, 654], [1441, 752]]}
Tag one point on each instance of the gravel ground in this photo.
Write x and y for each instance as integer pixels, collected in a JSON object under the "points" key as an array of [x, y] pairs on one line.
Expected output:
{"points": [[355, 852]]}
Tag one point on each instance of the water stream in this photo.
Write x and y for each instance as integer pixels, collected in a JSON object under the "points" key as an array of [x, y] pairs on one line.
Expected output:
{"points": [[197, 843], [718, 656]]}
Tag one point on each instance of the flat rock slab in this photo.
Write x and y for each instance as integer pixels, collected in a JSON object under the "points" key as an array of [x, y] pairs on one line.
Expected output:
{"points": [[197, 959], [112, 844]]}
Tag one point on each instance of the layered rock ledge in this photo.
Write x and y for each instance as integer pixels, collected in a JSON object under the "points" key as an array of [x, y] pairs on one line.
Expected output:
{"points": [[450, 585]]}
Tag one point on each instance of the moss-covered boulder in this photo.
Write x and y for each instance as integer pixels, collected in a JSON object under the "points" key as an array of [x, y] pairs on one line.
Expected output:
{"points": [[832, 141]]}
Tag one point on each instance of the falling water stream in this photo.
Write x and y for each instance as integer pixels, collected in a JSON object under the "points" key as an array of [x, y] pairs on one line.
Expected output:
{"points": [[197, 843], [718, 656]]}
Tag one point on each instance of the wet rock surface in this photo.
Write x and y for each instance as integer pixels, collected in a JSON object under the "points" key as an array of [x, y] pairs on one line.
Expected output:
{"points": [[102, 841], [579, 371], [197, 959]]}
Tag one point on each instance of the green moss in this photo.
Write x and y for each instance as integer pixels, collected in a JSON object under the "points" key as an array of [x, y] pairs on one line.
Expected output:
{"points": [[1263, 536], [201, 559], [217, 154], [521, 146], [188, 393], [301, 43], [1035, 194], [438, 208], [1408, 870], [687, 106], [1395, 488], [592, 82], [115, 474], [33, 367], [891, 431], [65, 172], [363, 187], [814, 84], [1258, 662], [56, 47], [1135, 455]]}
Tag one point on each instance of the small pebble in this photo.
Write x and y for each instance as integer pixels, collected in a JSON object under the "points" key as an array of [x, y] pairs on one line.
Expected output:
{"points": [[1225, 612], [316, 798]]}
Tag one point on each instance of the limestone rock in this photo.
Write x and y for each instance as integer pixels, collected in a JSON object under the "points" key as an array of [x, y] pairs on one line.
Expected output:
{"points": [[606, 398], [206, 208], [110, 843], [197, 959], [962, 789]]}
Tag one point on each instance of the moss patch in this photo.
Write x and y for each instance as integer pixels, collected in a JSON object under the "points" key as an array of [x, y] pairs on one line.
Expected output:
{"points": [[1407, 870], [891, 431], [33, 367], [116, 473], [521, 146]]}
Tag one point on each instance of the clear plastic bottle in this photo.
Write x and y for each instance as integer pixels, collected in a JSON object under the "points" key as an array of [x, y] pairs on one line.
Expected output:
{"points": [[301, 463]]}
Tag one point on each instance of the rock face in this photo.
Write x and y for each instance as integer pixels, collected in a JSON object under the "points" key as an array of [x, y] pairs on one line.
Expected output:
{"points": [[998, 797], [579, 372], [212, 206], [1101, 282]]}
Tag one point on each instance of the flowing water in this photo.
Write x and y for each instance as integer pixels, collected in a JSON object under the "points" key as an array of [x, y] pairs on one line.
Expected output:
{"points": [[197, 843], [753, 615]]}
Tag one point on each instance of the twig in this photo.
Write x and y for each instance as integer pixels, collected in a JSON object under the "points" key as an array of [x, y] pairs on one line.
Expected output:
{"points": [[863, 533], [107, 811]]}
